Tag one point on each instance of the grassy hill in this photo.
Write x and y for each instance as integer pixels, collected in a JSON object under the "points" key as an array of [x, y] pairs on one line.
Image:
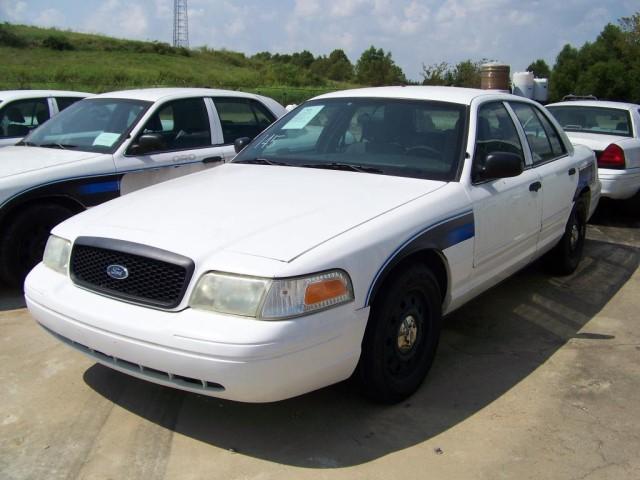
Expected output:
{"points": [[34, 57]]}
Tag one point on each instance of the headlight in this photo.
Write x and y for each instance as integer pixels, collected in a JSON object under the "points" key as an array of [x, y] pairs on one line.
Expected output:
{"points": [[57, 253], [271, 299]]}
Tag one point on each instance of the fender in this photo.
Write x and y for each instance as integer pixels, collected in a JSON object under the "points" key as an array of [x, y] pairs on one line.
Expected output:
{"points": [[85, 191], [436, 237]]}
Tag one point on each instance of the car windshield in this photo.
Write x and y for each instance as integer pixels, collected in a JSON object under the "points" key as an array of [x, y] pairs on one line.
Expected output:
{"points": [[421, 139], [606, 121], [92, 125]]}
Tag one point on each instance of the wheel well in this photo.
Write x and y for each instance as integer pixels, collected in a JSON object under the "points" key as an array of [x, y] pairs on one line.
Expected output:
{"points": [[15, 210], [586, 193], [431, 258]]}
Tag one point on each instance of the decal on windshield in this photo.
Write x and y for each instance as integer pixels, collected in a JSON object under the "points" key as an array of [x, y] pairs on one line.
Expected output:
{"points": [[303, 117], [106, 139]]}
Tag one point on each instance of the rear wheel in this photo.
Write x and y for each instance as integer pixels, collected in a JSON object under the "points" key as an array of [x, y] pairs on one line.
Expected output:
{"points": [[24, 239], [402, 336], [566, 255]]}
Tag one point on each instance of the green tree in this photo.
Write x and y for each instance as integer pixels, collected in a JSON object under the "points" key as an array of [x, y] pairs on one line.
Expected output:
{"points": [[540, 69], [436, 74], [339, 68], [377, 68], [607, 67]]}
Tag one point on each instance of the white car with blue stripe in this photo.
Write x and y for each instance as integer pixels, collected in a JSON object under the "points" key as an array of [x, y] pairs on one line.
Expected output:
{"points": [[330, 247], [109, 145]]}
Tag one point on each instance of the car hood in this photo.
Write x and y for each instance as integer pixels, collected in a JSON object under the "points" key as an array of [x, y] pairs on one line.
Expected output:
{"points": [[266, 211], [15, 160]]}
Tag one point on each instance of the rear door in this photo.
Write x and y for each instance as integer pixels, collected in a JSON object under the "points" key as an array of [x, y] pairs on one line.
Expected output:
{"points": [[240, 117], [555, 167], [185, 126], [63, 102], [506, 210]]}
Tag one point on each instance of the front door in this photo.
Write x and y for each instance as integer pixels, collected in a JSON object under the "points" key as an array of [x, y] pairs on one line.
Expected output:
{"points": [[185, 128], [506, 210]]}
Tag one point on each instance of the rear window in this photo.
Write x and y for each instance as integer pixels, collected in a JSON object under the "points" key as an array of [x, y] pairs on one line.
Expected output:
{"points": [[606, 121]]}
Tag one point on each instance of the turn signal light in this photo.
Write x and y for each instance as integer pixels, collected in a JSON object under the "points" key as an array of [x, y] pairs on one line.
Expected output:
{"points": [[611, 157], [325, 290]]}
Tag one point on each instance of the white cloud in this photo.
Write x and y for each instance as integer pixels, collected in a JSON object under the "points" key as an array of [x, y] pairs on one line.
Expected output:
{"points": [[12, 10], [305, 8], [122, 18], [50, 18]]}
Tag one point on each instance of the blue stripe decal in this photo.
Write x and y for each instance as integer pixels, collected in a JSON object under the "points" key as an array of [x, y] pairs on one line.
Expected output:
{"points": [[458, 235], [101, 187]]}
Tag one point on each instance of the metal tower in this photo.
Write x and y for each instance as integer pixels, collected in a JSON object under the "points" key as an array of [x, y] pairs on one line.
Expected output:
{"points": [[180, 24]]}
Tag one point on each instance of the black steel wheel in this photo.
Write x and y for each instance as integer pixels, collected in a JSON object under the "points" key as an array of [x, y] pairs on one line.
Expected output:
{"points": [[24, 239], [402, 336], [567, 254]]}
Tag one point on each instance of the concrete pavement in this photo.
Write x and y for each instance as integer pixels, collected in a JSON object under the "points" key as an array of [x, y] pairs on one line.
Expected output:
{"points": [[537, 379]]}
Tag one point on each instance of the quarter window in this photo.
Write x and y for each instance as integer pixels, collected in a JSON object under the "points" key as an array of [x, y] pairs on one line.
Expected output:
{"points": [[182, 124], [496, 132], [19, 117], [242, 117]]}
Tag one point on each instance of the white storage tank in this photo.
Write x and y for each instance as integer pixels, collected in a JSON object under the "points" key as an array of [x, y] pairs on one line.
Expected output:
{"points": [[523, 84], [541, 89]]}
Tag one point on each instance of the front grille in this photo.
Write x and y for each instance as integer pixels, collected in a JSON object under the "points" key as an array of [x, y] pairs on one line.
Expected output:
{"points": [[154, 277]]}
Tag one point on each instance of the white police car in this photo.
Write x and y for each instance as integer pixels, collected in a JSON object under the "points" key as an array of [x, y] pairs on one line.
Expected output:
{"points": [[23, 110], [111, 144], [332, 244]]}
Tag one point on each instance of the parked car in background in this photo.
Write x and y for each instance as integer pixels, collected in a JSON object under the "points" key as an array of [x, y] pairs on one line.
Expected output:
{"points": [[612, 130], [23, 110], [332, 244], [111, 144]]}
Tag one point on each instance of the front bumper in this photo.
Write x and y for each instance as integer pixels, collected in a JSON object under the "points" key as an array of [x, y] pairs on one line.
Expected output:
{"points": [[235, 358], [619, 184]]}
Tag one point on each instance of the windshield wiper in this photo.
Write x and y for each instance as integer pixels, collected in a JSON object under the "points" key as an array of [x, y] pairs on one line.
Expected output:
{"points": [[261, 161], [62, 146], [343, 166]]}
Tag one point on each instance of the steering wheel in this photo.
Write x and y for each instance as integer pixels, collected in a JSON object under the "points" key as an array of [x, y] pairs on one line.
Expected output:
{"points": [[424, 151]]}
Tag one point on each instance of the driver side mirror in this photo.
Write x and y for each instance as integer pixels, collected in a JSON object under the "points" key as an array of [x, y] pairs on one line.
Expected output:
{"points": [[499, 165], [148, 142], [240, 143]]}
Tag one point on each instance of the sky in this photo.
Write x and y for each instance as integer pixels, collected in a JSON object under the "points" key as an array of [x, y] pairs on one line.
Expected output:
{"points": [[416, 32]]}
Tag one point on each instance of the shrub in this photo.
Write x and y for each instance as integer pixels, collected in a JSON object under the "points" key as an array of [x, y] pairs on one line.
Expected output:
{"points": [[57, 42]]}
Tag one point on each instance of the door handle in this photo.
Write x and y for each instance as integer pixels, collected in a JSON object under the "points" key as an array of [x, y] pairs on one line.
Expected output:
{"points": [[212, 160], [535, 186], [572, 171]]}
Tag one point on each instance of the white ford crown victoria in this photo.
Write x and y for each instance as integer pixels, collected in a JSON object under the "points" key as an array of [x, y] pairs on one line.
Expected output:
{"points": [[331, 246], [612, 130]]}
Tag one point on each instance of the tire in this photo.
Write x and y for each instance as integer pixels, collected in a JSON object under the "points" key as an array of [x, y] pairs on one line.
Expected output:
{"points": [[24, 239], [567, 254], [401, 337]]}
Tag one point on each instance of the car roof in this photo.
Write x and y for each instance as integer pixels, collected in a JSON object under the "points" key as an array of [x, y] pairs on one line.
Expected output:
{"points": [[7, 95], [595, 103], [155, 94], [459, 95]]}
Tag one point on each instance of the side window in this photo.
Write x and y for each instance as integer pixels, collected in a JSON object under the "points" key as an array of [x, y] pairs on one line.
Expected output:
{"points": [[19, 117], [241, 117], [495, 133], [557, 147], [64, 102], [539, 142], [182, 124]]}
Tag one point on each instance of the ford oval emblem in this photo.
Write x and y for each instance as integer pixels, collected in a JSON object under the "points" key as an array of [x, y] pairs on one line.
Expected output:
{"points": [[117, 272]]}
